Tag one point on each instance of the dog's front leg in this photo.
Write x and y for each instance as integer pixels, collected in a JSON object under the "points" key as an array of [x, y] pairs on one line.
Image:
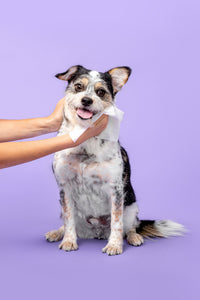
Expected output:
{"points": [[115, 243], [69, 241]]}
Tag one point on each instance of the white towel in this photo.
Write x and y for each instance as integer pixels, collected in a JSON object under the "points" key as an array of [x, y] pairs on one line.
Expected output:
{"points": [[111, 132]]}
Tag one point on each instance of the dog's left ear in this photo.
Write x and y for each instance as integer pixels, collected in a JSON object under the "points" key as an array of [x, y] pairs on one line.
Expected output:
{"points": [[69, 74], [119, 77]]}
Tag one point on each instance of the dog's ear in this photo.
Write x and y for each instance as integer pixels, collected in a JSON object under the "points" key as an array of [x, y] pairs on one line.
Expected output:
{"points": [[119, 77], [69, 74]]}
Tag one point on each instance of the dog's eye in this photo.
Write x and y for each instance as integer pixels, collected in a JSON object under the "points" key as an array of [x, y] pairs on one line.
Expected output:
{"points": [[100, 92], [78, 87]]}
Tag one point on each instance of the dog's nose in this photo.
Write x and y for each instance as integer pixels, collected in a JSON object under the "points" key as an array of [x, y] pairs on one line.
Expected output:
{"points": [[86, 101]]}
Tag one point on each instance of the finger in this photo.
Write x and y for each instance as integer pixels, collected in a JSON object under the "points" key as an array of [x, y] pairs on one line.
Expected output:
{"points": [[102, 119], [101, 126]]}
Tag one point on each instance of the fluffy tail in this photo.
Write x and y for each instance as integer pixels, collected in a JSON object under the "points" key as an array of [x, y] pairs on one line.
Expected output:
{"points": [[162, 228]]}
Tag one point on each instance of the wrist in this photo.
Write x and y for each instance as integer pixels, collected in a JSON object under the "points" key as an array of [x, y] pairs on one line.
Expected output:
{"points": [[66, 141]]}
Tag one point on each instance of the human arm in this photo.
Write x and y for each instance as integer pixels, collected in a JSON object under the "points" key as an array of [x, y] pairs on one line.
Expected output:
{"points": [[14, 153], [12, 130]]}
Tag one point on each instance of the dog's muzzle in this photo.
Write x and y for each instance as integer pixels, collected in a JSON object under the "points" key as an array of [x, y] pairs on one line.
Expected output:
{"points": [[84, 112]]}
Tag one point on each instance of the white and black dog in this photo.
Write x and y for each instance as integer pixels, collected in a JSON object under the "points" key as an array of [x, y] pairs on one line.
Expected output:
{"points": [[96, 194]]}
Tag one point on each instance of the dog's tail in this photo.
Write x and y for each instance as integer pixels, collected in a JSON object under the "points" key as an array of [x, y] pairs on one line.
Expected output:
{"points": [[162, 228]]}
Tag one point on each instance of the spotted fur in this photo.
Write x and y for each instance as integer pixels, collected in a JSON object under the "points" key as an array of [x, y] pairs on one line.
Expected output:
{"points": [[96, 195]]}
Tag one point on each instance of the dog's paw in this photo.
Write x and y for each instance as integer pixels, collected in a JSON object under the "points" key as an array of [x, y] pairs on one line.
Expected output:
{"points": [[135, 239], [54, 235], [68, 245], [112, 249]]}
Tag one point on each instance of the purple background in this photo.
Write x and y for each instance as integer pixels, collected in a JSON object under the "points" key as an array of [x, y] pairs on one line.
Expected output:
{"points": [[159, 40]]}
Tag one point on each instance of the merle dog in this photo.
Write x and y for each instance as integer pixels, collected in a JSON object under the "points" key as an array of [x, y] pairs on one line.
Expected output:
{"points": [[96, 194]]}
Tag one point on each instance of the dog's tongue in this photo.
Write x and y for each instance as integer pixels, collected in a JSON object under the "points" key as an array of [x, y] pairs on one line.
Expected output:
{"points": [[84, 114]]}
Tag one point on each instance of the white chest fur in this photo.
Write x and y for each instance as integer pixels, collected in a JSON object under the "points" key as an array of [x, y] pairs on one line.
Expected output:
{"points": [[87, 171]]}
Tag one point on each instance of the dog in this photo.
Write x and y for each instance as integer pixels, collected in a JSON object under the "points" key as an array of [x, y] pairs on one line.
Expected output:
{"points": [[96, 195]]}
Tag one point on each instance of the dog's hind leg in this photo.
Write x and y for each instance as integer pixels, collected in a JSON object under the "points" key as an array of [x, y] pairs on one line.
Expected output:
{"points": [[55, 235], [134, 238], [130, 222]]}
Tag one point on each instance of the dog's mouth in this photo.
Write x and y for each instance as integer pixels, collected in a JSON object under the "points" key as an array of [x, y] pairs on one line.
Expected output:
{"points": [[84, 114]]}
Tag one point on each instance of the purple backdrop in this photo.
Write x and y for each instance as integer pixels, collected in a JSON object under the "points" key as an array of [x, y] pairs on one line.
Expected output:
{"points": [[159, 40]]}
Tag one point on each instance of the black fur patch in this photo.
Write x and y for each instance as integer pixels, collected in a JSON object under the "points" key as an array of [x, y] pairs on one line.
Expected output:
{"points": [[81, 71], [143, 224], [118, 196], [102, 141], [62, 197], [126, 177], [108, 80]]}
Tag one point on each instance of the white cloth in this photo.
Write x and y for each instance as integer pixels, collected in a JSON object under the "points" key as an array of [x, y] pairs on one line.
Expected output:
{"points": [[111, 132]]}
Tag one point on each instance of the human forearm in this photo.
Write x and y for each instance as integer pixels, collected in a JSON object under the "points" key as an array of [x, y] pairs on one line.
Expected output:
{"points": [[12, 130], [15, 153], [21, 129]]}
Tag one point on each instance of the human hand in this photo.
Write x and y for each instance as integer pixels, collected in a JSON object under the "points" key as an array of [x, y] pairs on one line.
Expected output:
{"points": [[96, 129], [55, 119]]}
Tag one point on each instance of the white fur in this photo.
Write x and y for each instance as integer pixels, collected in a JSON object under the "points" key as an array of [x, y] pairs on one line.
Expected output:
{"points": [[94, 75], [90, 178], [130, 217], [169, 228], [88, 198]]}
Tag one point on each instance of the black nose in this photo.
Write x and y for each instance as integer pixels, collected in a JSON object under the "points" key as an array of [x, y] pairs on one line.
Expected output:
{"points": [[86, 101]]}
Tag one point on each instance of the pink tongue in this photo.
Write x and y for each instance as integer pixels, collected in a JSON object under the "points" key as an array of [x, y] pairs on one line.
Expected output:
{"points": [[85, 114]]}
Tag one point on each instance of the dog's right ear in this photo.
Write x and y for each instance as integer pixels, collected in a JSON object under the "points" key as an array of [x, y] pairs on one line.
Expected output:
{"points": [[69, 74]]}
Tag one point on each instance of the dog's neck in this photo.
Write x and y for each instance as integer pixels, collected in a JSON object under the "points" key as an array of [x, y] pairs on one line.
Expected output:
{"points": [[100, 148]]}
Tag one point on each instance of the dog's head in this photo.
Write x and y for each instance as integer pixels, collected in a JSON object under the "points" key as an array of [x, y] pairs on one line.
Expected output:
{"points": [[89, 92]]}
